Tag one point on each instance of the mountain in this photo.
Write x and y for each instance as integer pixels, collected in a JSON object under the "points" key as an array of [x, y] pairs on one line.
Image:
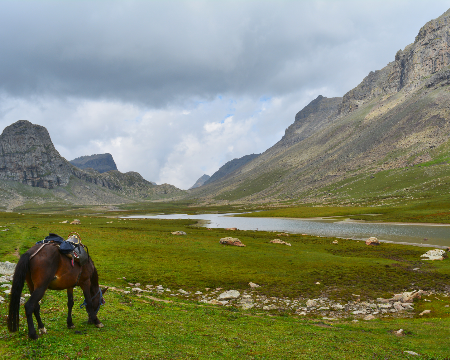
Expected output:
{"points": [[100, 162], [230, 167], [200, 181], [397, 119], [33, 171]]}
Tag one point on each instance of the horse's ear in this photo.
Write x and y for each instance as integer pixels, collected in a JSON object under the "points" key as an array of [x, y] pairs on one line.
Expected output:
{"points": [[104, 290]]}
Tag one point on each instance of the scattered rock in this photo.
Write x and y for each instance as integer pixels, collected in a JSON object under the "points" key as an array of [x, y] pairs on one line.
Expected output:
{"points": [[436, 254], [411, 353], [230, 294], [372, 241], [283, 234], [399, 332], [278, 241], [64, 222], [231, 241], [369, 317], [232, 229], [75, 222], [178, 233], [311, 303], [215, 302], [335, 242], [7, 268], [253, 285], [425, 312]]}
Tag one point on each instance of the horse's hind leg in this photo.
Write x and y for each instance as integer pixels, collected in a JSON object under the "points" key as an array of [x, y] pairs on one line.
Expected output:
{"points": [[70, 303], [32, 307], [37, 311]]}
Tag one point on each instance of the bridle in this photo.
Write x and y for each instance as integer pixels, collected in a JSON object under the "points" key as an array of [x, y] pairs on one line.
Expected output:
{"points": [[101, 301]]}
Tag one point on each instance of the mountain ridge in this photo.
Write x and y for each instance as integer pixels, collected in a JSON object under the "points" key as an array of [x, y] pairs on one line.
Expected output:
{"points": [[396, 117]]}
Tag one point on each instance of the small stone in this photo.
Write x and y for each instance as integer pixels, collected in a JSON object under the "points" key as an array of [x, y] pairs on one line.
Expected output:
{"points": [[178, 233], [411, 353], [335, 242], [253, 285], [278, 241], [399, 332], [311, 303], [231, 241], [369, 317], [425, 312]]}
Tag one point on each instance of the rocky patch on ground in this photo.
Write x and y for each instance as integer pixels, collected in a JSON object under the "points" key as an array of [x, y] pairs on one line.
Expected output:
{"points": [[399, 305]]}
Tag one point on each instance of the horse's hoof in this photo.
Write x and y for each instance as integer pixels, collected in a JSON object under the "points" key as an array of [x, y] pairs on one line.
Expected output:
{"points": [[71, 326], [33, 336], [99, 325], [43, 331]]}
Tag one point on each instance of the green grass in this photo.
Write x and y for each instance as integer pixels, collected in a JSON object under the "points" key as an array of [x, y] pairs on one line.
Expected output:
{"points": [[145, 251]]}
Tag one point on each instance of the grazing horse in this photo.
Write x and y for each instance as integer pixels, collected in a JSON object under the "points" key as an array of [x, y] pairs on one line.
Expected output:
{"points": [[44, 267]]}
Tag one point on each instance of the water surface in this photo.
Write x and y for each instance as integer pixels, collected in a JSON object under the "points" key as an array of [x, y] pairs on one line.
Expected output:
{"points": [[422, 234]]}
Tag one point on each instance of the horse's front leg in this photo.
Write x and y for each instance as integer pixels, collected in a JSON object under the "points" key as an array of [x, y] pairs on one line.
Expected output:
{"points": [[70, 303], [93, 319]]}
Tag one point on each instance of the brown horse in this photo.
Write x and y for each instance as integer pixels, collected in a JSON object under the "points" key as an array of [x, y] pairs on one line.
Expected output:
{"points": [[44, 267]]}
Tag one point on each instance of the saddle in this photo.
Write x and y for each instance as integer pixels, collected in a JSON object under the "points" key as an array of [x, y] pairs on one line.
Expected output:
{"points": [[72, 247]]}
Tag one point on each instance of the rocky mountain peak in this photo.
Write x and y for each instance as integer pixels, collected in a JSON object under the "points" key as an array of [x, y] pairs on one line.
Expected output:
{"points": [[99, 162], [317, 114], [27, 155], [428, 55]]}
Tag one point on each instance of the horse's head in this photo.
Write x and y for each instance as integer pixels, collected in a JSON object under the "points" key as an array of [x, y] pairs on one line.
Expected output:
{"points": [[98, 299]]}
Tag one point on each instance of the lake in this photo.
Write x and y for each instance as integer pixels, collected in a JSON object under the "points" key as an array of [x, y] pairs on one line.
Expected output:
{"points": [[435, 235]]}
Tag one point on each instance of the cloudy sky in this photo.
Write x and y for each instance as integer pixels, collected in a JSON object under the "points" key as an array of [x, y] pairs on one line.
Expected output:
{"points": [[174, 89]]}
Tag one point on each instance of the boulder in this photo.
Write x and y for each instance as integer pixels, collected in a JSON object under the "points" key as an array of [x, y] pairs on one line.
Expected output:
{"points": [[435, 254], [230, 294], [231, 241], [372, 241], [278, 241]]}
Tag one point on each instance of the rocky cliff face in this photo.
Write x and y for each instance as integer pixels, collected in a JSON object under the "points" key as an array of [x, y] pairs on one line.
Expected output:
{"points": [[27, 155], [428, 55], [99, 162]]}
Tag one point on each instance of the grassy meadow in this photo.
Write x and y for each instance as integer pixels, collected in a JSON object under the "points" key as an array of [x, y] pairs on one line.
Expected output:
{"points": [[161, 326]]}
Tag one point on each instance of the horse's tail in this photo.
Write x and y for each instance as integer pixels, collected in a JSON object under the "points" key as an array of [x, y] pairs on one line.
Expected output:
{"points": [[20, 274]]}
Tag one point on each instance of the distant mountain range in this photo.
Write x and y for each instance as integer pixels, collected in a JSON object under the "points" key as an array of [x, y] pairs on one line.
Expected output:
{"points": [[99, 162], [224, 170], [396, 118], [201, 180]]}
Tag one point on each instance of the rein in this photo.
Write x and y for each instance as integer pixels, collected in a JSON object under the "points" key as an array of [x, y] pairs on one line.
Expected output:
{"points": [[101, 301]]}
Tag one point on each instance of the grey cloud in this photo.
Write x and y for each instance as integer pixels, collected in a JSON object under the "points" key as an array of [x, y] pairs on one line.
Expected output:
{"points": [[156, 53]]}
